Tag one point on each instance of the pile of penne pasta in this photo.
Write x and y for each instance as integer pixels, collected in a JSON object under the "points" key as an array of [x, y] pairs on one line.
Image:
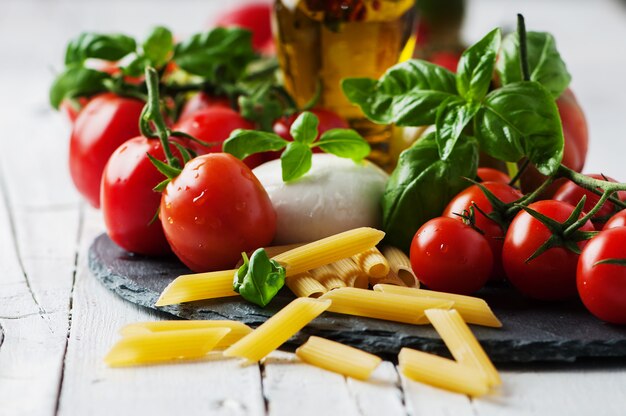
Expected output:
{"points": [[330, 275]]}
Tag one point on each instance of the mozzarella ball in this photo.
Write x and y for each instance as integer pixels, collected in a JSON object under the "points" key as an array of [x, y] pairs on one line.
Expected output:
{"points": [[336, 195]]}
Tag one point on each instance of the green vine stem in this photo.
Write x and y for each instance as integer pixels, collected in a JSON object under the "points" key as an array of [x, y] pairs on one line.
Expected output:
{"points": [[592, 184]]}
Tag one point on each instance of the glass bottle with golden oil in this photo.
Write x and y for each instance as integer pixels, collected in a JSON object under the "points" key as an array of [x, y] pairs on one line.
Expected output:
{"points": [[321, 42]]}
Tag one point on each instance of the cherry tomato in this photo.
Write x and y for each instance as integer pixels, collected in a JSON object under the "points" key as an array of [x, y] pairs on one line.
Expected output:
{"points": [[493, 175], [102, 126], [571, 193], [214, 125], [255, 17], [201, 101], [70, 110], [128, 202], [616, 221], [449, 256], [446, 59], [215, 210], [602, 287], [551, 275]]}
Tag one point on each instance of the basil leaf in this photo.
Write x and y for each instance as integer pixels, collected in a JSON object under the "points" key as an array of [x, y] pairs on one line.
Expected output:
{"points": [[158, 46], [521, 119], [452, 117], [76, 81], [259, 279], [544, 61], [408, 94], [262, 106], [137, 66], [243, 143], [221, 53], [295, 161], [110, 47], [304, 128], [344, 143], [475, 68], [422, 185]]}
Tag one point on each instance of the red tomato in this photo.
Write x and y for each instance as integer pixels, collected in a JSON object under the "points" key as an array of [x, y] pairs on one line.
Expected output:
{"points": [[71, 112], [215, 210], [201, 101], [571, 193], [491, 229], [616, 221], [602, 287], [101, 127], [128, 202], [449, 256], [446, 59], [552, 275], [255, 17], [493, 175], [214, 125]]}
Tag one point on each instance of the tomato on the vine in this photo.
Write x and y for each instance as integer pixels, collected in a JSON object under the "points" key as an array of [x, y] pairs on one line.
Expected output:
{"points": [[102, 126], [551, 275], [602, 286], [449, 256], [201, 101], [255, 17], [215, 210], [492, 175], [616, 221]]}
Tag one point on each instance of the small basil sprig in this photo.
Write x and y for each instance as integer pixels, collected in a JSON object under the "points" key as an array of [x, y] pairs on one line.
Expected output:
{"points": [[296, 159], [155, 52], [259, 279]]}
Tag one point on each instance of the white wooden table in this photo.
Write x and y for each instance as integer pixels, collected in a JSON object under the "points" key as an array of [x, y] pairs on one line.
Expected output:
{"points": [[57, 321]]}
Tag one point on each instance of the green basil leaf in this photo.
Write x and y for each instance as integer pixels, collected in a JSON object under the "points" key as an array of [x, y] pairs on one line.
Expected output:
{"points": [[408, 94], [137, 66], [344, 143], [452, 117], [261, 107], [295, 161], [544, 62], [220, 54], [76, 81], [521, 119], [475, 69], [422, 185], [304, 128], [259, 279], [158, 46], [243, 143], [110, 47]]}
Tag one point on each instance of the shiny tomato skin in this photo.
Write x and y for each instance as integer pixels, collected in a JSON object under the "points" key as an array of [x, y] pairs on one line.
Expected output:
{"points": [[201, 101], [492, 231], [102, 126], [616, 221], [214, 210], [572, 194], [214, 125], [449, 256], [255, 17], [602, 287], [127, 200], [493, 175], [552, 275]]}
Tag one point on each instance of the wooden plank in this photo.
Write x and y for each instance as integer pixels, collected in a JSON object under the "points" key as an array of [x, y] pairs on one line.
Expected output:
{"points": [[382, 394], [421, 399]]}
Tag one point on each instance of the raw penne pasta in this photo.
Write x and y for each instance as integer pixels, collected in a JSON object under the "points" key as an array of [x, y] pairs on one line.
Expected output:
{"points": [[462, 343], [237, 329], [338, 358], [157, 347], [390, 279], [304, 285], [400, 265], [328, 276], [473, 310], [441, 372], [380, 305], [190, 287], [271, 251], [372, 262], [329, 250], [277, 329], [350, 273]]}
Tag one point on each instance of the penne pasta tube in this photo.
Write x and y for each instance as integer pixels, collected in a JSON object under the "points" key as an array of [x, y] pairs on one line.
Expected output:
{"points": [[462, 343], [157, 347], [277, 329], [441, 372], [271, 251], [372, 262], [329, 250], [305, 286], [328, 276], [390, 279], [473, 310], [198, 286], [400, 265], [350, 273], [338, 358], [237, 329], [380, 305]]}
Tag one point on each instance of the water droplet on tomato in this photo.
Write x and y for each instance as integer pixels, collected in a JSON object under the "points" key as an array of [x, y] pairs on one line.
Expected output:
{"points": [[443, 248], [240, 206], [123, 149], [170, 220], [196, 176], [198, 166], [199, 220], [168, 205], [200, 199]]}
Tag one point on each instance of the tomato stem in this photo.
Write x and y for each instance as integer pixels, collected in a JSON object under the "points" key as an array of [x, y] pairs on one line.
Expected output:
{"points": [[523, 51], [592, 184], [579, 223]]}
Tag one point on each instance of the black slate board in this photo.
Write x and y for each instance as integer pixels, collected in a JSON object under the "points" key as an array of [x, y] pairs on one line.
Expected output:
{"points": [[531, 332]]}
